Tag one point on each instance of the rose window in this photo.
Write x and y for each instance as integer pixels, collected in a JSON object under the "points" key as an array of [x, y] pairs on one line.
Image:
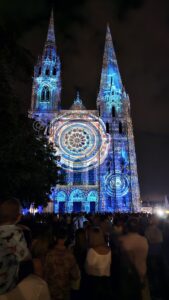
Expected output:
{"points": [[82, 143], [77, 140]]}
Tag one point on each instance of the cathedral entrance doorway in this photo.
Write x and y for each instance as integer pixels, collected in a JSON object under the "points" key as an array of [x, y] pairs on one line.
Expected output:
{"points": [[77, 207]]}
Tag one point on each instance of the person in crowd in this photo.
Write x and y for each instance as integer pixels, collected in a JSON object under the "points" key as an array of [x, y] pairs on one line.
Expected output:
{"points": [[97, 266], [134, 252], [27, 234], [13, 247], [40, 248], [80, 247], [154, 236], [61, 268], [157, 264], [31, 287]]}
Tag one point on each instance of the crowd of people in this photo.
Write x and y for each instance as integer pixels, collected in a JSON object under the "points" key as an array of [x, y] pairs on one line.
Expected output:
{"points": [[118, 256]]}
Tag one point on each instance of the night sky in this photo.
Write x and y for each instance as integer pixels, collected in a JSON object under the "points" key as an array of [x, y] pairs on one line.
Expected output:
{"points": [[140, 32]]}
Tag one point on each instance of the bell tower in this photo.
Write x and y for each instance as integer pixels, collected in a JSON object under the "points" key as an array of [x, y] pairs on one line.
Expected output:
{"points": [[47, 78], [109, 98], [119, 188]]}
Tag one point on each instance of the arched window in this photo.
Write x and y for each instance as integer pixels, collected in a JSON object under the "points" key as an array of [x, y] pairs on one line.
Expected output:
{"points": [[54, 71], [111, 80], [47, 72], [113, 112], [107, 127], [120, 127], [45, 95]]}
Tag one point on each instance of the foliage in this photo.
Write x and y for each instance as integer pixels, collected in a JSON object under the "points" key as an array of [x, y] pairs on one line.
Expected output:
{"points": [[28, 168], [27, 162]]}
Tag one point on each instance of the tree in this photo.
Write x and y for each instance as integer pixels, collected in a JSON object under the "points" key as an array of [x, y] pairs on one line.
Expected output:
{"points": [[27, 161], [28, 166]]}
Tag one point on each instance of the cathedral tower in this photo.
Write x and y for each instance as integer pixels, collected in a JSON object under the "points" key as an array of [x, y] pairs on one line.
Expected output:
{"points": [[119, 189], [47, 79]]}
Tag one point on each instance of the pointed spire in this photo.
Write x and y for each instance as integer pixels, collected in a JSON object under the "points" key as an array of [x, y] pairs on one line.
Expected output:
{"points": [[51, 31], [77, 100], [50, 46], [77, 104], [110, 76]]}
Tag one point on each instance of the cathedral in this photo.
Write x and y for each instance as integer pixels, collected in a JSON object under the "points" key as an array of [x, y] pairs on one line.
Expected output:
{"points": [[94, 148]]}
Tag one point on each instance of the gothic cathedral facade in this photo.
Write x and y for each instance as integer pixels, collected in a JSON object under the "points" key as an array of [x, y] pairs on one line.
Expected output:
{"points": [[95, 148]]}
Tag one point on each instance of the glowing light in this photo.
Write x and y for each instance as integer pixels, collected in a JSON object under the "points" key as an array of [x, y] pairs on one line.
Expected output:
{"points": [[92, 196], [159, 211], [111, 89], [61, 196], [83, 142], [95, 148], [47, 78], [77, 195], [117, 185]]}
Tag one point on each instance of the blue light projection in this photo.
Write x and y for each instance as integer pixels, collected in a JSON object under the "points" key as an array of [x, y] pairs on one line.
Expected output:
{"points": [[95, 148], [77, 195], [117, 185], [61, 196], [47, 78], [82, 140], [111, 89], [92, 196]]}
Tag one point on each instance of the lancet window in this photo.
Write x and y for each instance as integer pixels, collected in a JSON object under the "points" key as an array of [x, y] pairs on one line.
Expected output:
{"points": [[45, 95]]}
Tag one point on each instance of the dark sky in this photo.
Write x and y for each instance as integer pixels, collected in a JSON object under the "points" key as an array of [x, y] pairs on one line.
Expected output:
{"points": [[140, 32]]}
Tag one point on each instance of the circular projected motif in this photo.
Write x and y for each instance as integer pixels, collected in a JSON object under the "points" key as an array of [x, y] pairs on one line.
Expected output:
{"points": [[82, 143], [76, 139], [117, 185]]}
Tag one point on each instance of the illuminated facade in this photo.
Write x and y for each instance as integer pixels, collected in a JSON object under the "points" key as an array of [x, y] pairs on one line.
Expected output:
{"points": [[95, 148]]}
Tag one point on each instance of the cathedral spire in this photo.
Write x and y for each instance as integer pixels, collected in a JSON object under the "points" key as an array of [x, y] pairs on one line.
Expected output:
{"points": [[77, 104], [110, 76], [51, 32], [50, 40], [110, 82]]}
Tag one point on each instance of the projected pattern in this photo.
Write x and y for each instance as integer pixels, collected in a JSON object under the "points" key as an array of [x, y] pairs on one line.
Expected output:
{"points": [[83, 143], [95, 148]]}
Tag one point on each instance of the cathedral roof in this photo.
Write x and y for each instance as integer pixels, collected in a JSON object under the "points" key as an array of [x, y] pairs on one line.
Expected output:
{"points": [[77, 104]]}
